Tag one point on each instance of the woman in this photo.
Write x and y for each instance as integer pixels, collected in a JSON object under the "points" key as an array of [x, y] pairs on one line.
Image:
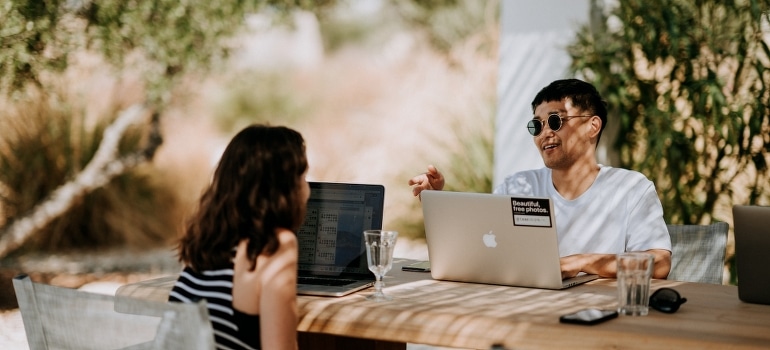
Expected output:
{"points": [[240, 249]]}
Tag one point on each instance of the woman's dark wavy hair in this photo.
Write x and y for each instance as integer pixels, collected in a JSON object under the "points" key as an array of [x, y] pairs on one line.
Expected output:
{"points": [[255, 189]]}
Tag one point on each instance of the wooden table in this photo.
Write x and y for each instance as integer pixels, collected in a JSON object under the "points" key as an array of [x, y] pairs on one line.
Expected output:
{"points": [[467, 315]]}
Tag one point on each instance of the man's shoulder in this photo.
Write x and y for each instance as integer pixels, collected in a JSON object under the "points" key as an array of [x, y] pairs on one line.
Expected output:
{"points": [[525, 182], [626, 180], [612, 172], [528, 176], [540, 172]]}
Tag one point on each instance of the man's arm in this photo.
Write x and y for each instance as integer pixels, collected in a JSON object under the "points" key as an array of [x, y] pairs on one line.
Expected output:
{"points": [[662, 263], [605, 265]]}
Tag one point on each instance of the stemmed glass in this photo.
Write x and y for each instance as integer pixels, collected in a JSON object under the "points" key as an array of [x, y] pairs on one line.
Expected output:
{"points": [[379, 255]]}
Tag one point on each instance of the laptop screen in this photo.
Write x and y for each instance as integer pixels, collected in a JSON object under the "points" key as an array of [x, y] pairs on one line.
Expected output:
{"points": [[752, 242], [331, 237]]}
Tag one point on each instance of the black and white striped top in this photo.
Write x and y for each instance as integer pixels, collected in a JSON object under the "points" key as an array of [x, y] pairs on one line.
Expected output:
{"points": [[232, 329]]}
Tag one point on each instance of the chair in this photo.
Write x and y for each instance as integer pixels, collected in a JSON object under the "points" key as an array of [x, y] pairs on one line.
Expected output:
{"points": [[64, 318], [698, 252]]}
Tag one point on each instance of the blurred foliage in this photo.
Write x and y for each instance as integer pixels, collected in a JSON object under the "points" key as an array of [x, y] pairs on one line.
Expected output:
{"points": [[259, 97], [453, 27], [161, 38], [447, 22], [343, 27], [165, 40], [443, 22], [47, 141], [470, 165], [689, 83]]}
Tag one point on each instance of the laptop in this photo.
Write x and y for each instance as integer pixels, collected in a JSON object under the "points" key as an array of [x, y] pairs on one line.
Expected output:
{"points": [[332, 252], [493, 239], [752, 244]]}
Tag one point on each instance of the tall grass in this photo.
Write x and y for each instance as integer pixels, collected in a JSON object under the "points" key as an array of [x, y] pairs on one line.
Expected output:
{"points": [[44, 142], [470, 163]]}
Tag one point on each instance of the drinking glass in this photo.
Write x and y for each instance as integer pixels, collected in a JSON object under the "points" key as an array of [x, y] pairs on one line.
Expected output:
{"points": [[634, 273], [379, 255]]}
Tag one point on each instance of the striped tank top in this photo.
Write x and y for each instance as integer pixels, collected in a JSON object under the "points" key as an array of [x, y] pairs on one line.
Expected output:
{"points": [[232, 329]]}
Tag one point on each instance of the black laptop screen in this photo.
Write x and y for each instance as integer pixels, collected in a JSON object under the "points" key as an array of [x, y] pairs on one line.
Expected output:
{"points": [[331, 237]]}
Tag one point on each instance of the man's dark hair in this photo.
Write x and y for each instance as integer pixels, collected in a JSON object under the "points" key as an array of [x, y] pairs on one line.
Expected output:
{"points": [[583, 95]]}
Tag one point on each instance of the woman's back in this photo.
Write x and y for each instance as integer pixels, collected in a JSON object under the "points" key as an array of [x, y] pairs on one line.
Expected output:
{"points": [[232, 329], [257, 198]]}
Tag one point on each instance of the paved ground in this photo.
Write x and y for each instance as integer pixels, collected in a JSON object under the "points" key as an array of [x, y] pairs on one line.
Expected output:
{"points": [[12, 331]]}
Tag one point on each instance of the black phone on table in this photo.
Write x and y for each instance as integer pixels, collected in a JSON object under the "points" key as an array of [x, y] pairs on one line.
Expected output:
{"points": [[588, 316], [420, 266]]}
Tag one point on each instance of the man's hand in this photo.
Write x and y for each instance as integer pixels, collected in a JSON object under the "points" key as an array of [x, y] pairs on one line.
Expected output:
{"points": [[605, 265], [432, 180], [599, 264]]}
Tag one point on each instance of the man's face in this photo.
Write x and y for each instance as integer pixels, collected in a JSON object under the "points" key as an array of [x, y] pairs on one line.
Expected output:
{"points": [[563, 148]]}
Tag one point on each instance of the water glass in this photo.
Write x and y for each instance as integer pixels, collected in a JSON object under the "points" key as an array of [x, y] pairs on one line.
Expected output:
{"points": [[634, 274], [379, 255]]}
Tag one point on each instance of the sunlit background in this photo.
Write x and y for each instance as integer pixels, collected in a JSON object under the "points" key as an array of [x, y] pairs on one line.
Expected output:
{"points": [[379, 89], [377, 95]]}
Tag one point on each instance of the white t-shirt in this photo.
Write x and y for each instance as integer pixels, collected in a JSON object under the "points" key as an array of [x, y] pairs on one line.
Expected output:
{"points": [[619, 212]]}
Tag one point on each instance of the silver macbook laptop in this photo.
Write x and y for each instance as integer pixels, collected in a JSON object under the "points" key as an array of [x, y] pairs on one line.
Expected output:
{"points": [[752, 244], [494, 239], [332, 252]]}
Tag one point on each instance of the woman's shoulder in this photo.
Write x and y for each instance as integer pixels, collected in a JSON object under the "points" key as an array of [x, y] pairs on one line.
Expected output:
{"points": [[286, 236], [287, 242]]}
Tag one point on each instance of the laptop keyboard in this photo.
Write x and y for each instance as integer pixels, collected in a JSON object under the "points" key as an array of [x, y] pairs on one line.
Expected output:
{"points": [[320, 281]]}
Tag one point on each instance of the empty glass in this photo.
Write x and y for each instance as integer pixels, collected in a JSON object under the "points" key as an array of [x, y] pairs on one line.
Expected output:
{"points": [[634, 273], [379, 255]]}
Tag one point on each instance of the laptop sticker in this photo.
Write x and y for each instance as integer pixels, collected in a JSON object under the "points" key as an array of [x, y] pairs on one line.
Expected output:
{"points": [[531, 212]]}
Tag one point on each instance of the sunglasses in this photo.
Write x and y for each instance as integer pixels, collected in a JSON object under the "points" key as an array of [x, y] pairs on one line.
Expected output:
{"points": [[555, 121], [666, 300]]}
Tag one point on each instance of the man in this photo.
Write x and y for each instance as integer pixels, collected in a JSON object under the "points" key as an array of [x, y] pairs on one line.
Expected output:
{"points": [[600, 210]]}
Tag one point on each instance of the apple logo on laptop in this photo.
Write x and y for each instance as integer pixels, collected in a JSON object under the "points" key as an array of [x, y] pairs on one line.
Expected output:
{"points": [[489, 239]]}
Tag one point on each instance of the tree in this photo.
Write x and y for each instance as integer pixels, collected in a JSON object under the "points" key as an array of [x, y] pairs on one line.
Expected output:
{"points": [[448, 22], [689, 84], [162, 39]]}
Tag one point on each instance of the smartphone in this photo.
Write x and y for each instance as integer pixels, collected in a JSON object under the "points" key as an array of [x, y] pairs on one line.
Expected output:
{"points": [[589, 316], [422, 266]]}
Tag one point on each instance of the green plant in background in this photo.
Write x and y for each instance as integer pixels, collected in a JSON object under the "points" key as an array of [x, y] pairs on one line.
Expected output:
{"points": [[260, 97], [689, 84], [447, 22], [470, 164], [45, 142], [343, 27], [161, 41]]}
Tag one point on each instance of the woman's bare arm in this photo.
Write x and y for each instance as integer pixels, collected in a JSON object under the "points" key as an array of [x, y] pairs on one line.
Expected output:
{"points": [[278, 302]]}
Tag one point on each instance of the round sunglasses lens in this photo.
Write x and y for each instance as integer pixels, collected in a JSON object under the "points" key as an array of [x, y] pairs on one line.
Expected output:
{"points": [[554, 122], [534, 127]]}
